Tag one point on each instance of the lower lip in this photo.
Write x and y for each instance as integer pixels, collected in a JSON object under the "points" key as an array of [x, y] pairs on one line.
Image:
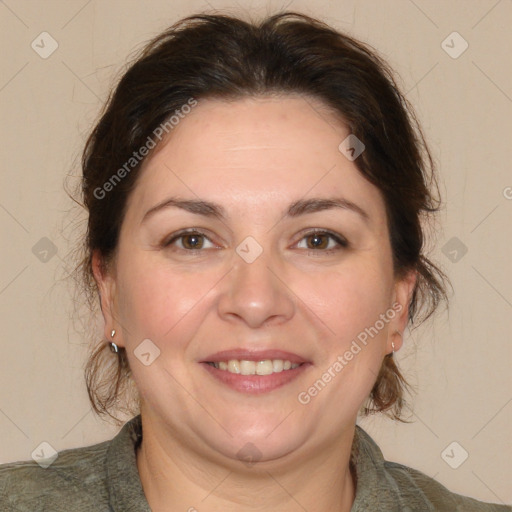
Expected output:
{"points": [[256, 384]]}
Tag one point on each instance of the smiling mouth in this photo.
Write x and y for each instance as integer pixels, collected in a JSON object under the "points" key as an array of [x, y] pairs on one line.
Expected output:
{"points": [[255, 376], [264, 367]]}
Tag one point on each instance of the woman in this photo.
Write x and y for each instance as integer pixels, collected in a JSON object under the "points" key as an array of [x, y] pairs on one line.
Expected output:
{"points": [[254, 193]]}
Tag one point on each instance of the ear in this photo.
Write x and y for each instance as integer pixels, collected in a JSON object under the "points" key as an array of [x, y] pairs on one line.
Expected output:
{"points": [[404, 288], [105, 279]]}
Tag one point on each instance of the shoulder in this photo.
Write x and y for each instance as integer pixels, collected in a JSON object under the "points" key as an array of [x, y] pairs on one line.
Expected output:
{"points": [[414, 483], [75, 480], [388, 486]]}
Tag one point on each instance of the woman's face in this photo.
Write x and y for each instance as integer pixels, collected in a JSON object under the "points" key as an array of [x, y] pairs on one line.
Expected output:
{"points": [[254, 277]]}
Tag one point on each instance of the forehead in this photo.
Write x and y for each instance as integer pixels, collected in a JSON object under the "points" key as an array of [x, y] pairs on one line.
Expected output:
{"points": [[255, 153]]}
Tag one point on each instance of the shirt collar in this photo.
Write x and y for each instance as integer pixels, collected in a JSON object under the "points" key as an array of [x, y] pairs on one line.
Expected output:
{"points": [[124, 485], [375, 486]]}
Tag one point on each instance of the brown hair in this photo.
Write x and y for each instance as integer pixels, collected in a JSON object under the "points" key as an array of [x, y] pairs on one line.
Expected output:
{"points": [[224, 57]]}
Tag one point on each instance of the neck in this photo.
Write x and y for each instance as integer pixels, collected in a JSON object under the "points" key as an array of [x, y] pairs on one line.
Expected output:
{"points": [[174, 474]]}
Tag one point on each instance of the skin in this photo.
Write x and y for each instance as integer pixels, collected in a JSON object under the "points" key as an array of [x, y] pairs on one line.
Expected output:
{"points": [[254, 157]]}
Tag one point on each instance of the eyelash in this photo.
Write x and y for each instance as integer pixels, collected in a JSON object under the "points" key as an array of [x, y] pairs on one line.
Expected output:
{"points": [[342, 243]]}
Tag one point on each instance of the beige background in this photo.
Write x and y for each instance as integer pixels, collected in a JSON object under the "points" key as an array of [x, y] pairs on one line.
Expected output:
{"points": [[459, 363]]}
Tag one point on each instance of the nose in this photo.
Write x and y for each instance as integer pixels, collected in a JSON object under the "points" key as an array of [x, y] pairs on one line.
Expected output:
{"points": [[256, 293]]}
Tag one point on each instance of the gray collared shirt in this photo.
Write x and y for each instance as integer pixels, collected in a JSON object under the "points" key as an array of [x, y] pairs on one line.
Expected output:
{"points": [[104, 477]]}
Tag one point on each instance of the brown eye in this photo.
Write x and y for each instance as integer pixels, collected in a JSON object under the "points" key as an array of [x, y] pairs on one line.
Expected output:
{"points": [[192, 241], [188, 241], [318, 241], [324, 241]]}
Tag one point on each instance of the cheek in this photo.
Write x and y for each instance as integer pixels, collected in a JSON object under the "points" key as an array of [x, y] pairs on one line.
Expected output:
{"points": [[154, 299], [350, 303], [159, 300], [349, 299]]}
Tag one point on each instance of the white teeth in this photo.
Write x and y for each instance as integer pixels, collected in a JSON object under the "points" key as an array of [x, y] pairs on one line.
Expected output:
{"points": [[234, 366], [265, 367], [247, 367], [277, 365]]}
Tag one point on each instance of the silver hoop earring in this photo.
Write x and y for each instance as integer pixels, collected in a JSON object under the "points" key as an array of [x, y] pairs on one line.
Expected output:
{"points": [[113, 346], [393, 343]]}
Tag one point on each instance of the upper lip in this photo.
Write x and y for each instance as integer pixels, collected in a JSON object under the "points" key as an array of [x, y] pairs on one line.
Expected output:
{"points": [[253, 355]]}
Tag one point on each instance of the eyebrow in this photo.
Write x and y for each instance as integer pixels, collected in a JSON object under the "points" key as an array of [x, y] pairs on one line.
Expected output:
{"points": [[297, 208]]}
